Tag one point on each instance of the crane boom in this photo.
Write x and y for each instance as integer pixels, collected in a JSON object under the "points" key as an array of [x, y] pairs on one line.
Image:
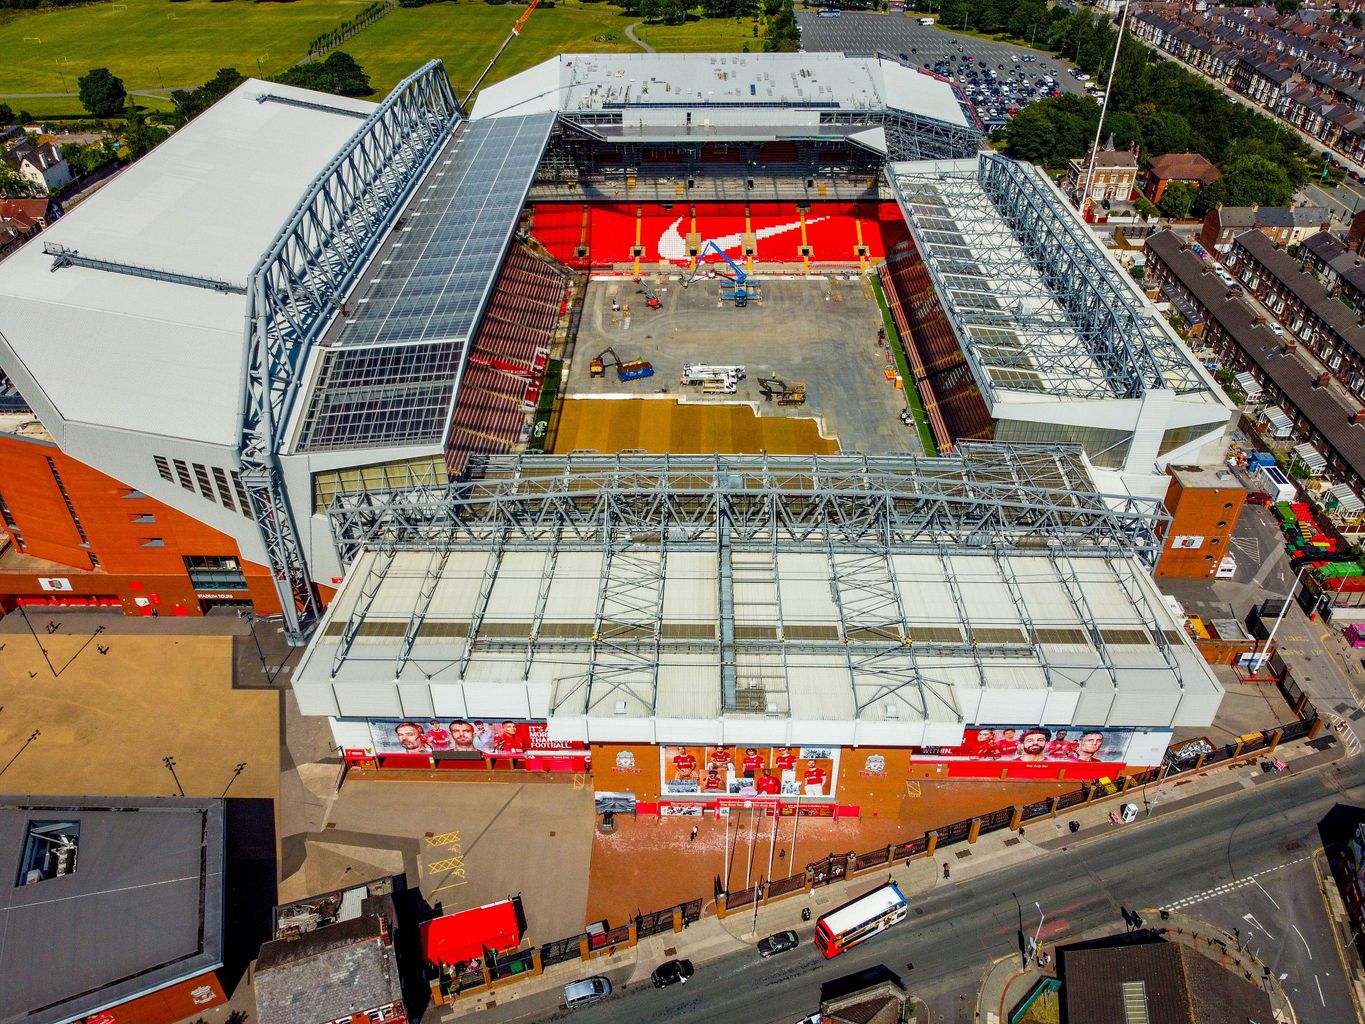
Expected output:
{"points": [[740, 294], [516, 31]]}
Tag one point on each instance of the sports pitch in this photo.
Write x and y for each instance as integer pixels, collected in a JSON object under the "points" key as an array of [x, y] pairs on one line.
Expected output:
{"points": [[152, 44]]}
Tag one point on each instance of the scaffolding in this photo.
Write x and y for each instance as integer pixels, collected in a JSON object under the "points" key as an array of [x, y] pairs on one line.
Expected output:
{"points": [[300, 282]]}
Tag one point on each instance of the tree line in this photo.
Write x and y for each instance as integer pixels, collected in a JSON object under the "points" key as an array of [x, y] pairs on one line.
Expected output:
{"points": [[1162, 108]]}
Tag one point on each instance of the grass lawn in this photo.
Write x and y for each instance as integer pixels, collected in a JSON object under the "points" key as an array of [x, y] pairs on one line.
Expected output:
{"points": [[70, 106], [152, 43], [465, 36], [707, 35]]}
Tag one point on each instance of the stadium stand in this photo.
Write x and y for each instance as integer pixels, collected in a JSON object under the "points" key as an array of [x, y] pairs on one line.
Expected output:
{"points": [[508, 359], [952, 402], [833, 231]]}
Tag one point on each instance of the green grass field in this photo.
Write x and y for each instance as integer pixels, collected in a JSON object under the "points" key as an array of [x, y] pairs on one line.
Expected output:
{"points": [[465, 36], [708, 35], [152, 43]]}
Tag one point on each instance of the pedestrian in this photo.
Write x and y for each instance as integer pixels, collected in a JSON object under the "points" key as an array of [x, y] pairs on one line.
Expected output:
{"points": [[693, 837], [946, 871], [782, 854]]}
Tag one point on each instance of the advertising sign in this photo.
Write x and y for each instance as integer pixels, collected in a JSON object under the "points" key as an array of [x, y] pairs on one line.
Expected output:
{"points": [[1036, 745], [54, 583], [749, 771], [474, 738]]}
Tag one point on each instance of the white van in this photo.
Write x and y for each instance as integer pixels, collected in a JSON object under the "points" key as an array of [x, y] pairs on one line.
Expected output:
{"points": [[926, 21], [589, 990]]}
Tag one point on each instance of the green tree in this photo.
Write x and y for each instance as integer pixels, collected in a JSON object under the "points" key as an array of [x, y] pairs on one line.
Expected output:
{"points": [[6, 115], [102, 92], [1176, 200], [190, 103], [12, 186], [339, 74], [1163, 131], [1248, 181], [1124, 127], [1288, 6]]}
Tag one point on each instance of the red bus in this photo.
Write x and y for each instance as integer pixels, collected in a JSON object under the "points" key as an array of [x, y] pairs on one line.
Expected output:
{"points": [[859, 920]]}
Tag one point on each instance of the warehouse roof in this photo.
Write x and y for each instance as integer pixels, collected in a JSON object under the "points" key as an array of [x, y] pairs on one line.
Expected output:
{"points": [[136, 905], [790, 81], [141, 352]]}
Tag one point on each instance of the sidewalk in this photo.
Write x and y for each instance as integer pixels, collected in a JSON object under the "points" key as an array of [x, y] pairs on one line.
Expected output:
{"points": [[713, 937]]}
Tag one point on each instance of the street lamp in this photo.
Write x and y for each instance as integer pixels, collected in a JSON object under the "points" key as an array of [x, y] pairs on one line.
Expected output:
{"points": [[1258, 658], [1033, 946]]}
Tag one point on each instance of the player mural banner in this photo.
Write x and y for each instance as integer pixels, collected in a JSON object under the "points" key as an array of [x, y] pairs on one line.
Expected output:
{"points": [[1029, 744], [749, 771], [472, 738]]}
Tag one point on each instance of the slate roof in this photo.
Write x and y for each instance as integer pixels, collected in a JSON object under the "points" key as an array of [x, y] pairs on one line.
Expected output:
{"points": [[327, 974]]}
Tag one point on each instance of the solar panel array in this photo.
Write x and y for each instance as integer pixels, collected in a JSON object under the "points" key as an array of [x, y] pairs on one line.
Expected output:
{"points": [[389, 369]]}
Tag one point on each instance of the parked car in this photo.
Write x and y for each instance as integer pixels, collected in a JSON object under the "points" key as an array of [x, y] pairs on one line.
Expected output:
{"points": [[1276, 330], [589, 990], [672, 972], [778, 942], [1258, 498]]}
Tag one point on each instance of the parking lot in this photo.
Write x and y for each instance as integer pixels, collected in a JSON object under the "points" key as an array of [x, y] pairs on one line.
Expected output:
{"points": [[901, 36]]}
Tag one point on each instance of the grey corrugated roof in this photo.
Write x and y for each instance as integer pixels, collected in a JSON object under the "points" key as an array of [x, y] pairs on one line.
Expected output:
{"points": [[142, 910], [334, 972]]}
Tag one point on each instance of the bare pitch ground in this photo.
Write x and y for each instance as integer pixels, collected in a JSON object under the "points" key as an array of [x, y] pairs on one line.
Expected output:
{"points": [[818, 331]]}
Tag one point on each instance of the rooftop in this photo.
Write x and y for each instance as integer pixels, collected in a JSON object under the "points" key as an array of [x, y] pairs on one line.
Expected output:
{"points": [[205, 203], [1184, 167], [1206, 478], [997, 280], [658, 82], [328, 974], [138, 907]]}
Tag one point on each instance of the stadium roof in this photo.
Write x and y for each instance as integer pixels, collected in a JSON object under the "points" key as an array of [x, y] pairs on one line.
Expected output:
{"points": [[664, 86], [91, 346], [142, 909], [865, 599], [1039, 309], [385, 372]]}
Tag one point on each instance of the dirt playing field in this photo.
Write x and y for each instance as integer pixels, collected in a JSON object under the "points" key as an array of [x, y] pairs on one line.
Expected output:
{"points": [[666, 425]]}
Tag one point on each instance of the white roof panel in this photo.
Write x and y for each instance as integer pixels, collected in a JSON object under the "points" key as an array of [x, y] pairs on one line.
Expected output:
{"points": [[153, 356]]}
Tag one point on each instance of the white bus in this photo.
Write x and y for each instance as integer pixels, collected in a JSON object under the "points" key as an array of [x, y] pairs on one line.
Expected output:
{"points": [[859, 920]]}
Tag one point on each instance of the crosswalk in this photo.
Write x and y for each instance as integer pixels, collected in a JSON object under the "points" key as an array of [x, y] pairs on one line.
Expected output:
{"points": [[1241, 883]]}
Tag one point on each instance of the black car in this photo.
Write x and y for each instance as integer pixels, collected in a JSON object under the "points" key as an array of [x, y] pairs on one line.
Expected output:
{"points": [[672, 972], [778, 942]]}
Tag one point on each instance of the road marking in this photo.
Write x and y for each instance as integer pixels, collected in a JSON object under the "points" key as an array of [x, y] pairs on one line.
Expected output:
{"points": [[1303, 940], [1267, 896], [445, 839], [1319, 985], [1264, 929], [1227, 887]]}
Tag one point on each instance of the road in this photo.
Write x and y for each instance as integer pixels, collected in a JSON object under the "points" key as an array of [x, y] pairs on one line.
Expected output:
{"points": [[1345, 201], [1228, 864]]}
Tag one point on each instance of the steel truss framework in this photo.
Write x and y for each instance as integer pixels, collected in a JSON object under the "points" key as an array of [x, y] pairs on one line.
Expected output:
{"points": [[300, 282], [990, 500], [1041, 312], [913, 137]]}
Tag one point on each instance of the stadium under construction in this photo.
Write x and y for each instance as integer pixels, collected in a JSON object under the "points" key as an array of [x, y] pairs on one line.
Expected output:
{"points": [[330, 369]]}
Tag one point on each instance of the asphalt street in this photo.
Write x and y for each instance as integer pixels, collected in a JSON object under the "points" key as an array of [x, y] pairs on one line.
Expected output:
{"points": [[1345, 200], [894, 34], [1229, 861]]}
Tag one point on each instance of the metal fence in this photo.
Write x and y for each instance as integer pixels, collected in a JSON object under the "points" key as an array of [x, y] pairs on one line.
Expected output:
{"points": [[561, 950], [523, 962]]}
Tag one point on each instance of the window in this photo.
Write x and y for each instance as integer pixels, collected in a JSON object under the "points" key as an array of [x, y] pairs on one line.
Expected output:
{"points": [[224, 492], [145, 517], [153, 542], [70, 508], [241, 494], [163, 467], [49, 851], [215, 572], [182, 472], [7, 514], [202, 475], [131, 493]]}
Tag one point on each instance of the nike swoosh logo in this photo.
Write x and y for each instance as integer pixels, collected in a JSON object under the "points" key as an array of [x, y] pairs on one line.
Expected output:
{"points": [[673, 247]]}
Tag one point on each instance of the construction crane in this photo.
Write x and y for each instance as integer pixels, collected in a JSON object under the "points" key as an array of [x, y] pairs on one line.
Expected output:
{"points": [[786, 394], [516, 31], [630, 369], [741, 293], [651, 297]]}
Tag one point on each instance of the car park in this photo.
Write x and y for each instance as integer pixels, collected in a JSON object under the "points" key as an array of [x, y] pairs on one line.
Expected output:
{"points": [[778, 942], [672, 972], [589, 990]]}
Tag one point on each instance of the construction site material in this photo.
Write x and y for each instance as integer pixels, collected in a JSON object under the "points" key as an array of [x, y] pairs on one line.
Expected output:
{"points": [[630, 369], [784, 393]]}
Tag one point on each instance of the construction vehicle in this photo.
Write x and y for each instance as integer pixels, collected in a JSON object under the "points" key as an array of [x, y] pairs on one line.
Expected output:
{"points": [[786, 394], [738, 290], [651, 296], [630, 369], [696, 374]]}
